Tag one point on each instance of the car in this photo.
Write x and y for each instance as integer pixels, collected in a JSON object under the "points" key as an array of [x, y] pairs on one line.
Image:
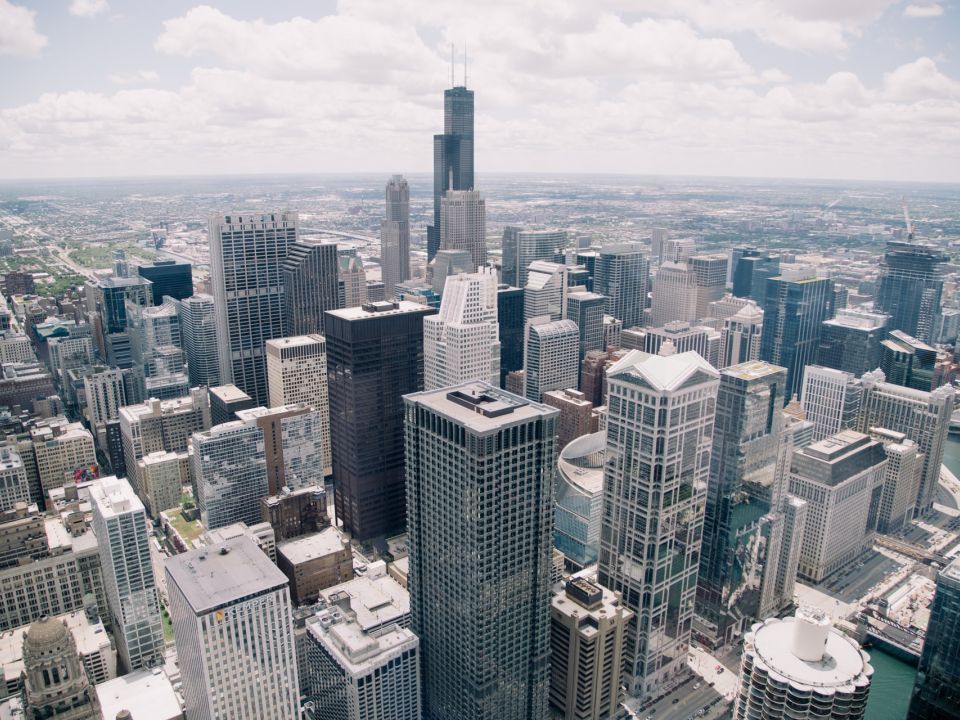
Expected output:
{"points": [[696, 686], [711, 683], [676, 700], [719, 670]]}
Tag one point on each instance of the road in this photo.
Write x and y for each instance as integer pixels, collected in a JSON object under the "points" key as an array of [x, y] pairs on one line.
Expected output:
{"points": [[707, 690]]}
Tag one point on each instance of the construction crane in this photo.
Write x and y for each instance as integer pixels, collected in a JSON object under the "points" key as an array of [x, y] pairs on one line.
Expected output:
{"points": [[906, 218]]}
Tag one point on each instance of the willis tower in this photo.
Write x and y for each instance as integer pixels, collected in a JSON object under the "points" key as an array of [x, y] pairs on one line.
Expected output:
{"points": [[452, 155]]}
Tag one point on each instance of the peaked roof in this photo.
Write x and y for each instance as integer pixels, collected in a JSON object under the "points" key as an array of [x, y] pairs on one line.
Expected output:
{"points": [[665, 372]]}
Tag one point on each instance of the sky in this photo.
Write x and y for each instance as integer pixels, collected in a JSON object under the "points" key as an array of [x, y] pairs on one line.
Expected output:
{"points": [[846, 89]]}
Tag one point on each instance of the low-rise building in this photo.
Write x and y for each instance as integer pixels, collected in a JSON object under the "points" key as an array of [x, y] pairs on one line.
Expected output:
{"points": [[315, 562]]}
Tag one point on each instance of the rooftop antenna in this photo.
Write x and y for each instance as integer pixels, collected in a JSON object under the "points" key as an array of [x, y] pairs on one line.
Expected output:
{"points": [[464, 65], [452, 81]]}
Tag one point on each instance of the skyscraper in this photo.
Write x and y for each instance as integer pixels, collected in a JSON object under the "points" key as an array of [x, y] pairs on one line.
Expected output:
{"points": [[293, 444], [351, 279], [622, 276], [462, 342], [463, 224], [480, 574], [310, 285], [552, 356], [830, 400], [233, 625], [741, 536], [546, 290], [523, 245], [447, 263], [230, 473], [198, 329], [374, 357], [911, 285], [793, 313], [120, 524], [751, 271], [936, 694], [851, 341], [741, 336], [395, 235], [452, 156], [510, 319], [710, 272], [170, 279], [674, 296], [246, 256], [659, 422], [586, 309]]}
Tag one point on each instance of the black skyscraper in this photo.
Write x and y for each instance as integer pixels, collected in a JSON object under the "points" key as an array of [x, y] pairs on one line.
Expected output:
{"points": [[374, 358], [169, 278], [452, 156], [310, 285], [911, 284], [510, 317]]}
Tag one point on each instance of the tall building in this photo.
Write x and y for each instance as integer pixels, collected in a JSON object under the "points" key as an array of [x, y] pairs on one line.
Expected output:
{"points": [[710, 272], [851, 341], [841, 478], [120, 523], [546, 290], [359, 673], [512, 325], [170, 279], [750, 274], [830, 400], [705, 341], [462, 341], [793, 312], [351, 280], [447, 263], [741, 336], [577, 416], [800, 668], [395, 235], [198, 330], [225, 402], [580, 499], [479, 593], [911, 285], [924, 417], [936, 693], [463, 224], [105, 394], [14, 484], [659, 421], [587, 630], [741, 535], [246, 256], [452, 156], [233, 626], [674, 295], [552, 356], [230, 473], [65, 453], [586, 309], [907, 361], [297, 373], [904, 470], [310, 284], [294, 438], [523, 245], [163, 475], [657, 237], [622, 276], [55, 684], [374, 358]]}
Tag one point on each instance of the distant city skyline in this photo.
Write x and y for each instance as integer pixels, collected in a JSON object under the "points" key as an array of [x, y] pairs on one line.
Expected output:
{"points": [[867, 90]]}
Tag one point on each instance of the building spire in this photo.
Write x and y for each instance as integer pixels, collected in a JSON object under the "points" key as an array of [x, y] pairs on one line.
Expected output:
{"points": [[453, 82]]}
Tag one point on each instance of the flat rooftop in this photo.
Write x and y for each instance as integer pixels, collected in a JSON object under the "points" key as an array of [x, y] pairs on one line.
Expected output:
{"points": [[480, 407], [210, 578], [752, 369], [357, 651], [228, 393], [381, 309], [147, 694], [321, 544], [375, 601], [114, 497], [296, 341]]}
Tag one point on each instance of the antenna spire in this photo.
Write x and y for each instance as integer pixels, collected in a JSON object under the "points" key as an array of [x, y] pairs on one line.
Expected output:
{"points": [[464, 64], [452, 81]]}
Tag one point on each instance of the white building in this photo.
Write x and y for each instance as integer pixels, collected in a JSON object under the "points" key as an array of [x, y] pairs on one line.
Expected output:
{"points": [[546, 290], [147, 694], [903, 476], [741, 335], [838, 477], [297, 373], [830, 399], [293, 445], [62, 449], [105, 395], [198, 330], [659, 437], [463, 224], [359, 675], [120, 523], [800, 668], [163, 475], [551, 356], [462, 342], [230, 473], [14, 484], [674, 295], [15, 348], [233, 625]]}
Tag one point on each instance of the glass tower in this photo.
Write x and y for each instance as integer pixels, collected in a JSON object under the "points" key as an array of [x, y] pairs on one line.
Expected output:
{"points": [[911, 283], [452, 156], [936, 694]]}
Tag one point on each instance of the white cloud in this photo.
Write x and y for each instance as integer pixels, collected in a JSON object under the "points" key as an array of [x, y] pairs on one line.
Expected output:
{"points": [[18, 34], [88, 8], [923, 11], [141, 77]]}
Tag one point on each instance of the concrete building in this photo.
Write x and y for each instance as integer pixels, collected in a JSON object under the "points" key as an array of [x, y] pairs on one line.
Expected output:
{"points": [[198, 329], [830, 399], [741, 336], [220, 598], [577, 416], [586, 309], [314, 562], [463, 224], [479, 580], [351, 279], [801, 668], [576, 524], [936, 692], [710, 272], [14, 483], [292, 513], [375, 357], [622, 276], [674, 295], [54, 683], [225, 401], [851, 341], [841, 478], [395, 235], [105, 395], [293, 444], [462, 341], [654, 493], [64, 452], [552, 356], [587, 631], [230, 473], [524, 245], [546, 290], [145, 694], [446, 264], [705, 341], [924, 417], [15, 348], [354, 674], [246, 256], [163, 475], [120, 522], [900, 483]]}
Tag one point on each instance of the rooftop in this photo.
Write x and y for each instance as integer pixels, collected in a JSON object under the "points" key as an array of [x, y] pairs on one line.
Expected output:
{"points": [[377, 310], [357, 651], [752, 369], [147, 694], [228, 393], [480, 407], [375, 599], [296, 341], [301, 550], [114, 497], [664, 372], [215, 577]]}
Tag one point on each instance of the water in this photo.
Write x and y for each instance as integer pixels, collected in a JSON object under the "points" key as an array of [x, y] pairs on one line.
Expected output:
{"points": [[951, 454], [891, 687]]}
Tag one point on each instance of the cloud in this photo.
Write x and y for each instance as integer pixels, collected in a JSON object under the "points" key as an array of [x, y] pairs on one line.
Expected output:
{"points": [[18, 35], [923, 11], [134, 78], [88, 8]]}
